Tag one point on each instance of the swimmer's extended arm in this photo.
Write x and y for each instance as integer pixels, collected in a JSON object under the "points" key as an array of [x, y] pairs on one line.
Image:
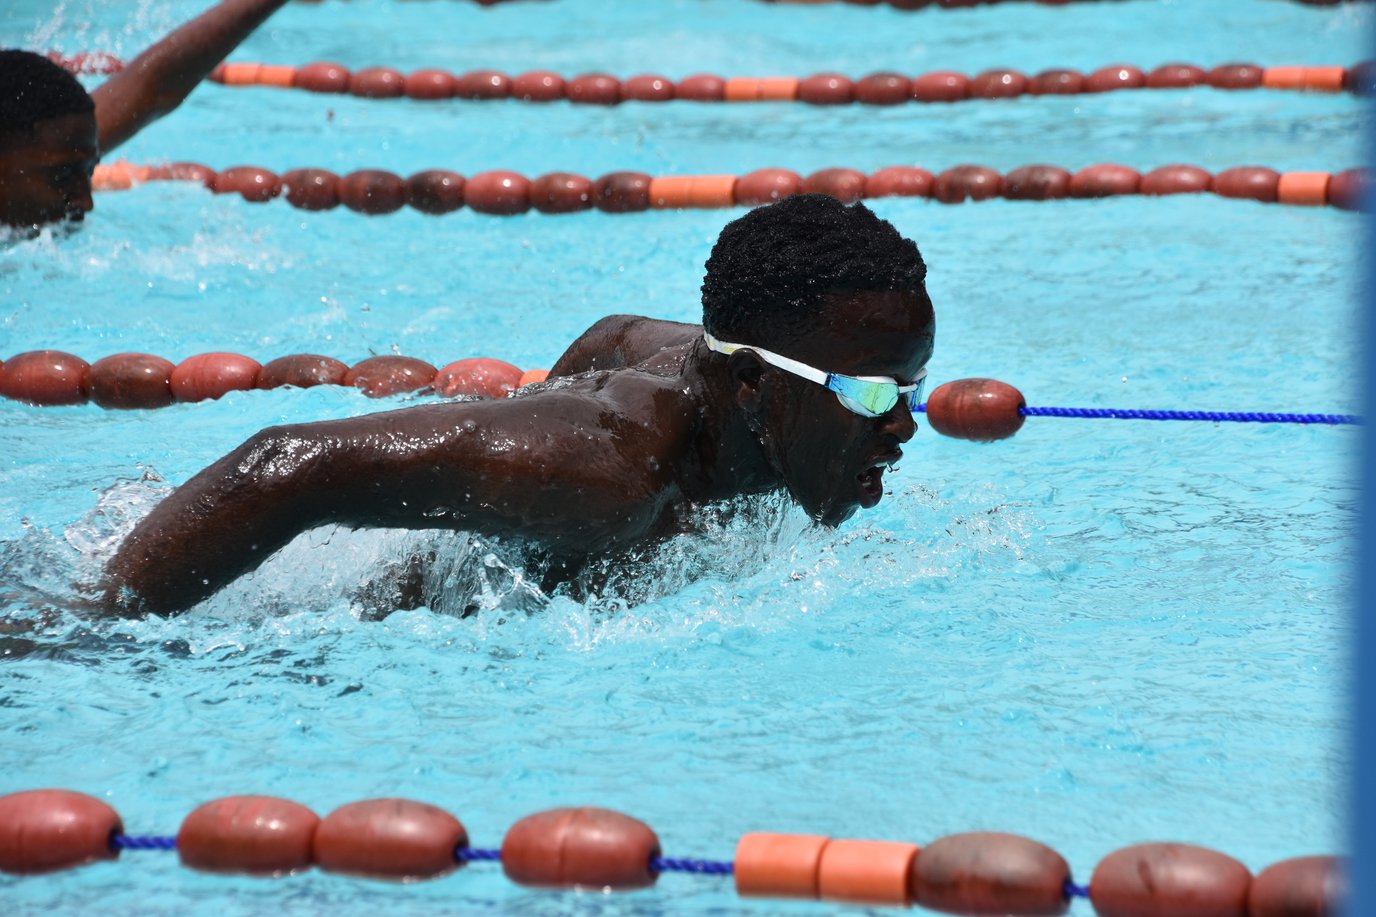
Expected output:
{"points": [[557, 467], [621, 340], [157, 81]]}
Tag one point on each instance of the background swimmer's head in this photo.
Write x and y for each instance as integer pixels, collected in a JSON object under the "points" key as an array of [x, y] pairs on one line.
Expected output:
{"points": [[48, 142], [772, 272]]}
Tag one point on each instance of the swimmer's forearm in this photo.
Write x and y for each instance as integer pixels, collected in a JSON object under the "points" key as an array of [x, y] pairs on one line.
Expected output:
{"points": [[157, 81], [216, 527]]}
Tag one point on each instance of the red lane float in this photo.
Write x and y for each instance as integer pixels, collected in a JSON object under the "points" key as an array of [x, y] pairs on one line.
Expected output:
{"points": [[131, 380], [648, 87], [257, 835], [498, 192], [47, 830], [1310, 886], [302, 370], [1175, 179], [899, 181], [1036, 183], [435, 191], [478, 376], [44, 377], [622, 192], [1255, 182], [379, 377], [561, 192], [207, 376], [765, 186], [372, 191], [962, 183], [1146, 880], [983, 410], [429, 85], [845, 185], [482, 84], [389, 839], [253, 184], [140, 380], [311, 189], [580, 848], [986, 872]]}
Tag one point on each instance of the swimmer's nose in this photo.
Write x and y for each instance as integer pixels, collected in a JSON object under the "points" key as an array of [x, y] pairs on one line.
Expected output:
{"points": [[900, 422]]}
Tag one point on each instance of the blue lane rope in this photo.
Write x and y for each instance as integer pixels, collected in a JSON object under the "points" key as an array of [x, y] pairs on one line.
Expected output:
{"points": [[1214, 416], [1224, 416], [699, 867], [470, 854], [128, 842]]}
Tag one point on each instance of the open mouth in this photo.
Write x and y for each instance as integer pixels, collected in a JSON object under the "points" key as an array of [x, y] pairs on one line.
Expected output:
{"points": [[871, 484]]}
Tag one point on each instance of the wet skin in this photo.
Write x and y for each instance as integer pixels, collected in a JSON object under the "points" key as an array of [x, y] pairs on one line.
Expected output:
{"points": [[45, 177], [590, 465]]}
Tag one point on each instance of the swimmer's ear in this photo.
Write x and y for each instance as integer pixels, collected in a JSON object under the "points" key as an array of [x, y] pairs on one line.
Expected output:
{"points": [[747, 373]]}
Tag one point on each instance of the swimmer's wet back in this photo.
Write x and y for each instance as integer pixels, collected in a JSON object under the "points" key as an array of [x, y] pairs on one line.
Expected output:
{"points": [[1095, 633]]}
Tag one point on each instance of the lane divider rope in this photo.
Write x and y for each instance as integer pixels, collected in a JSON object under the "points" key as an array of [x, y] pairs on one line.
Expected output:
{"points": [[981, 872], [977, 409], [884, 88], [506, 193]]}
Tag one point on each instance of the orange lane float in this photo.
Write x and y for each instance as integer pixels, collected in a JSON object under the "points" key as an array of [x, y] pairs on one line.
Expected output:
{"points": [[141, 380], [882, 88], [601, 850]]}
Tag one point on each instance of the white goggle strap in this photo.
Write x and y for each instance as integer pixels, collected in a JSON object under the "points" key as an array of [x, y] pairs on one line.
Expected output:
{"points": [[773, 359]]}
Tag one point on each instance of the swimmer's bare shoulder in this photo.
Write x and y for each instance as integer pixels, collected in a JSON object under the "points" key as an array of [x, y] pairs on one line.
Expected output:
{"points": [[622, 340], [586, 467]]}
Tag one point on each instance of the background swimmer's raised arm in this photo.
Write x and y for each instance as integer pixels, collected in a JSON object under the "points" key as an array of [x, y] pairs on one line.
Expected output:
{"points": [[157, 81], [580, 471]]}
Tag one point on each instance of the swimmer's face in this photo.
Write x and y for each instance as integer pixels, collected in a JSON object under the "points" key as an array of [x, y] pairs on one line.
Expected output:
{"points": [[831, 459], [45, 177]]}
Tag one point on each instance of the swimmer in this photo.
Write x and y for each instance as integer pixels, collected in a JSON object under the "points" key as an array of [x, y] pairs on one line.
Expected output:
{"points": [[802, 378], [52, 132]]}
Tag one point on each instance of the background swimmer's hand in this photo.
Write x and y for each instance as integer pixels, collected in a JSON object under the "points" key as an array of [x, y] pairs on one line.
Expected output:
{"points": [[157, 81]]}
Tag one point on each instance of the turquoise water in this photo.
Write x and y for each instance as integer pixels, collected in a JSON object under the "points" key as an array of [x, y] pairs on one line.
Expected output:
{"points": [[1094, 634]]}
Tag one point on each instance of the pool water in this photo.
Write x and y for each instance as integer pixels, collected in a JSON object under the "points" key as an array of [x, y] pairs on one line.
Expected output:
{"points": [[1093, 634]]}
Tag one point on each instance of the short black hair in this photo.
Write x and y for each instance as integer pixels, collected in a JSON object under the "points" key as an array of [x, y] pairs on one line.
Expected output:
{"points": [[770, 271], [36, 89]]}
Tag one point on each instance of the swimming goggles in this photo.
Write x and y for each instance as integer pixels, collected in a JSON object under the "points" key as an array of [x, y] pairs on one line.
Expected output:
{"points": [[868, 396]]}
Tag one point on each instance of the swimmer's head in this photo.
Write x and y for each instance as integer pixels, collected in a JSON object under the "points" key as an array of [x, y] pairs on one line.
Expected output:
{"points": [[839, 289], [771, 272], [48, 142]]}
